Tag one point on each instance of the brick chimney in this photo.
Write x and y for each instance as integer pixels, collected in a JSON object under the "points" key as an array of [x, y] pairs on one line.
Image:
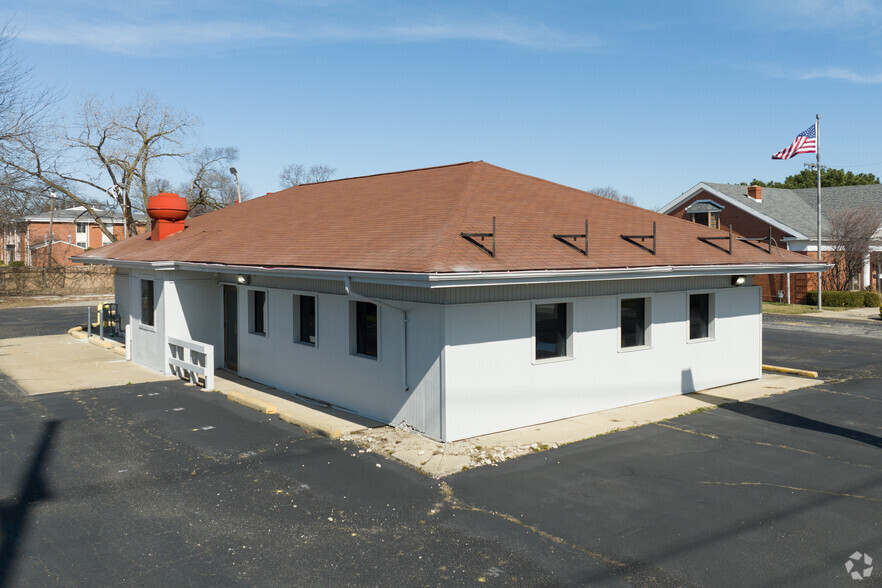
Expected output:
{"points": [[755, 192]]}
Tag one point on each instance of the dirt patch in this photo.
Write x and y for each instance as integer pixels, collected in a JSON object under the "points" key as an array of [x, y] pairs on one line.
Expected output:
{"points": [[434, 458]]}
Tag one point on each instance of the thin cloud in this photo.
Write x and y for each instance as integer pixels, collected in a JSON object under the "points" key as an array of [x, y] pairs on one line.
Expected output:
{"points": [[169, 38], [825, 73], [816, 15]]}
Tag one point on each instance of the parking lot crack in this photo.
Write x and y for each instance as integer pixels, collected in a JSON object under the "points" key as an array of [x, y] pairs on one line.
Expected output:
{"points": [[793, 488], [450, 501], [685, 430]]}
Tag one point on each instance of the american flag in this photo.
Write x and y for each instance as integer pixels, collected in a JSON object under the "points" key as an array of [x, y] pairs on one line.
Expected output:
{"points": [[805, 142]]}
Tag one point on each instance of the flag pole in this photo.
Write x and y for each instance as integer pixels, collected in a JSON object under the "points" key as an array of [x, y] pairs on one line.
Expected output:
{"points": [[818, 153]]}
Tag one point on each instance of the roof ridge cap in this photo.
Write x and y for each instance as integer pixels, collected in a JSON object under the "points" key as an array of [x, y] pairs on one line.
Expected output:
{"points": [[392, 173]]}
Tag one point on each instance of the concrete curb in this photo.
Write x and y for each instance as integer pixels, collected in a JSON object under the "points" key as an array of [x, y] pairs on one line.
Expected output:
{"points": [[120, 351], [309, 426], [792, 371], [95, 340], [77, 333], [253, 403]]}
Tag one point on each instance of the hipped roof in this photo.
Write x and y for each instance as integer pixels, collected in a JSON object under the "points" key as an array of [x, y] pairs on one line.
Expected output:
{"points": [[412, 222]]}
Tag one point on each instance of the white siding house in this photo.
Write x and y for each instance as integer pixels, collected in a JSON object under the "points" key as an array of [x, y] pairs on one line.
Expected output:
{"points": [[482, 344]]}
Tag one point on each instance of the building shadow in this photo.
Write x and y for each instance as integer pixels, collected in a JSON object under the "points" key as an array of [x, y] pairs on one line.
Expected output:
{"points": [[780, 417], [773, 415], [14, 511]]}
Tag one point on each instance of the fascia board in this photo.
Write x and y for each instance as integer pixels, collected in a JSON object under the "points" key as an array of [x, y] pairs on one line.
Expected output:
{"points": [[497, 279], [683, 197], [752, 211], [463, 279]]}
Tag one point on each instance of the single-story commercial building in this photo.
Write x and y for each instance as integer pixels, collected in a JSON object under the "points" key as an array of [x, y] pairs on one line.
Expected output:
{"points": [[457, 300]]}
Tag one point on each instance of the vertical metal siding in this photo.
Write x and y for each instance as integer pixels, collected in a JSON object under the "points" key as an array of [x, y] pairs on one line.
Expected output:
{"points": [[121, 295]]}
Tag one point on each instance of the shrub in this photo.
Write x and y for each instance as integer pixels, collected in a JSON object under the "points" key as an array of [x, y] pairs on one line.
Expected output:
{"points": [[16, 264], [836, 298], [872, 298]]}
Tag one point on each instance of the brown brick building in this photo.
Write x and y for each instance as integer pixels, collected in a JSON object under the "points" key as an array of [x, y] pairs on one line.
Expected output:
{"points": [[73, 231], [787, 217]]}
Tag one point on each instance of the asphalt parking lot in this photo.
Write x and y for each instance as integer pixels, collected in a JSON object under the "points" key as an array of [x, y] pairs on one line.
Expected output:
{"points": [[160, 483]]}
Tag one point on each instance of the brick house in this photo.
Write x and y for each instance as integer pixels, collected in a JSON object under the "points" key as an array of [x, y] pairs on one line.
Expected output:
{"points": [[73, 229], [788, 217]]}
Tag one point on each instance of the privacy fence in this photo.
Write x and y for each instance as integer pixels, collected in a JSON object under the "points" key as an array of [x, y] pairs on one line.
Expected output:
{"points": [[56, 280]]}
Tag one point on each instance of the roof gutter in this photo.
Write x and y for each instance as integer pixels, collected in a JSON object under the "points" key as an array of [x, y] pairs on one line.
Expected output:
{"points": [[461, 279]]}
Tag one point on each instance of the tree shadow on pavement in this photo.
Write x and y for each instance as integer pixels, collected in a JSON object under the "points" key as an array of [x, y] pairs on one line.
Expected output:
{"points": [[14, 511]]}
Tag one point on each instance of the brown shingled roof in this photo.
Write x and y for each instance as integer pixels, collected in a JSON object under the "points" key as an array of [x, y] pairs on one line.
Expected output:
{"points": [[411, 222]]}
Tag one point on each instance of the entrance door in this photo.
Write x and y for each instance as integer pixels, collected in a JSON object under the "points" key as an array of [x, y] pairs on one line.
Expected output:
{"points": [[231, 328]]}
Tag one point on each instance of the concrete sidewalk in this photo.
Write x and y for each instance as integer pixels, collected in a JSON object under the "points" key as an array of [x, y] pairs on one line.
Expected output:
{"points": [[870, 313], [59, 363]]}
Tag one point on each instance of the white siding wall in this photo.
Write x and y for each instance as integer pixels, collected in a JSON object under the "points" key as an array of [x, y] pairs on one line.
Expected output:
{"points": [[148, 342], [193, 310], [492, 384], [329, 372], [122, 296]]}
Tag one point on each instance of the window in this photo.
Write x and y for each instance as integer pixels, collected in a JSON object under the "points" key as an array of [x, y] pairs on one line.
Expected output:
{"points": [[364, 328], [257, 312], [633, 324], [553, 330], [709, 219], [304, 320], [81, 235], [147, 307], [700, 318]]}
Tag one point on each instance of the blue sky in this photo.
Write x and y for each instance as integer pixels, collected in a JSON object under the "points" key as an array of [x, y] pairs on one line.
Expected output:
{"points": [[648, 97]]}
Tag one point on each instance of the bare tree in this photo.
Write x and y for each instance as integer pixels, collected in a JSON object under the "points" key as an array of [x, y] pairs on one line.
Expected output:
{"points": [[851, 234], [212, 185], [613, 194], [109, 150], [295, 174], [22, 108]]}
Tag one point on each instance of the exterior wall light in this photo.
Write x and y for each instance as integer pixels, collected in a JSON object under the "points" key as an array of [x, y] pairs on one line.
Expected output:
{"points": [[739, 280], [244, 280]]}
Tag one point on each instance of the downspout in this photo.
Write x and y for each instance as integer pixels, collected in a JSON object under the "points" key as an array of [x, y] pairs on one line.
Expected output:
{"points": [[347, 285]]}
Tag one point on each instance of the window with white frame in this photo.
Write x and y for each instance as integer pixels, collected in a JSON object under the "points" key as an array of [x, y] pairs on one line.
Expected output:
{"points": [[305, 319], [553, 330], [257, 312], [701, 316], [81, 235], [634, 322], [148, 307], [364, 328]]}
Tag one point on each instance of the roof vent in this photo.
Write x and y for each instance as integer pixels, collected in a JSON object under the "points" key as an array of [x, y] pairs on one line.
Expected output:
{"points": [[755, 192], [168, 212]]}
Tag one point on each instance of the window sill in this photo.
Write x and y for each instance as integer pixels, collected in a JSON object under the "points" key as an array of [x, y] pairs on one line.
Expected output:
{"points": [[255, 333], [636, 348], [546, 360], [702, 340], [363, 356], [306, 344], [149, 328]]}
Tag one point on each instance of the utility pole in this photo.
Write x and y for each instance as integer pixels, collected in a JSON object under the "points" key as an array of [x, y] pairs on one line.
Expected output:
{"points": [[52, 195]]}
